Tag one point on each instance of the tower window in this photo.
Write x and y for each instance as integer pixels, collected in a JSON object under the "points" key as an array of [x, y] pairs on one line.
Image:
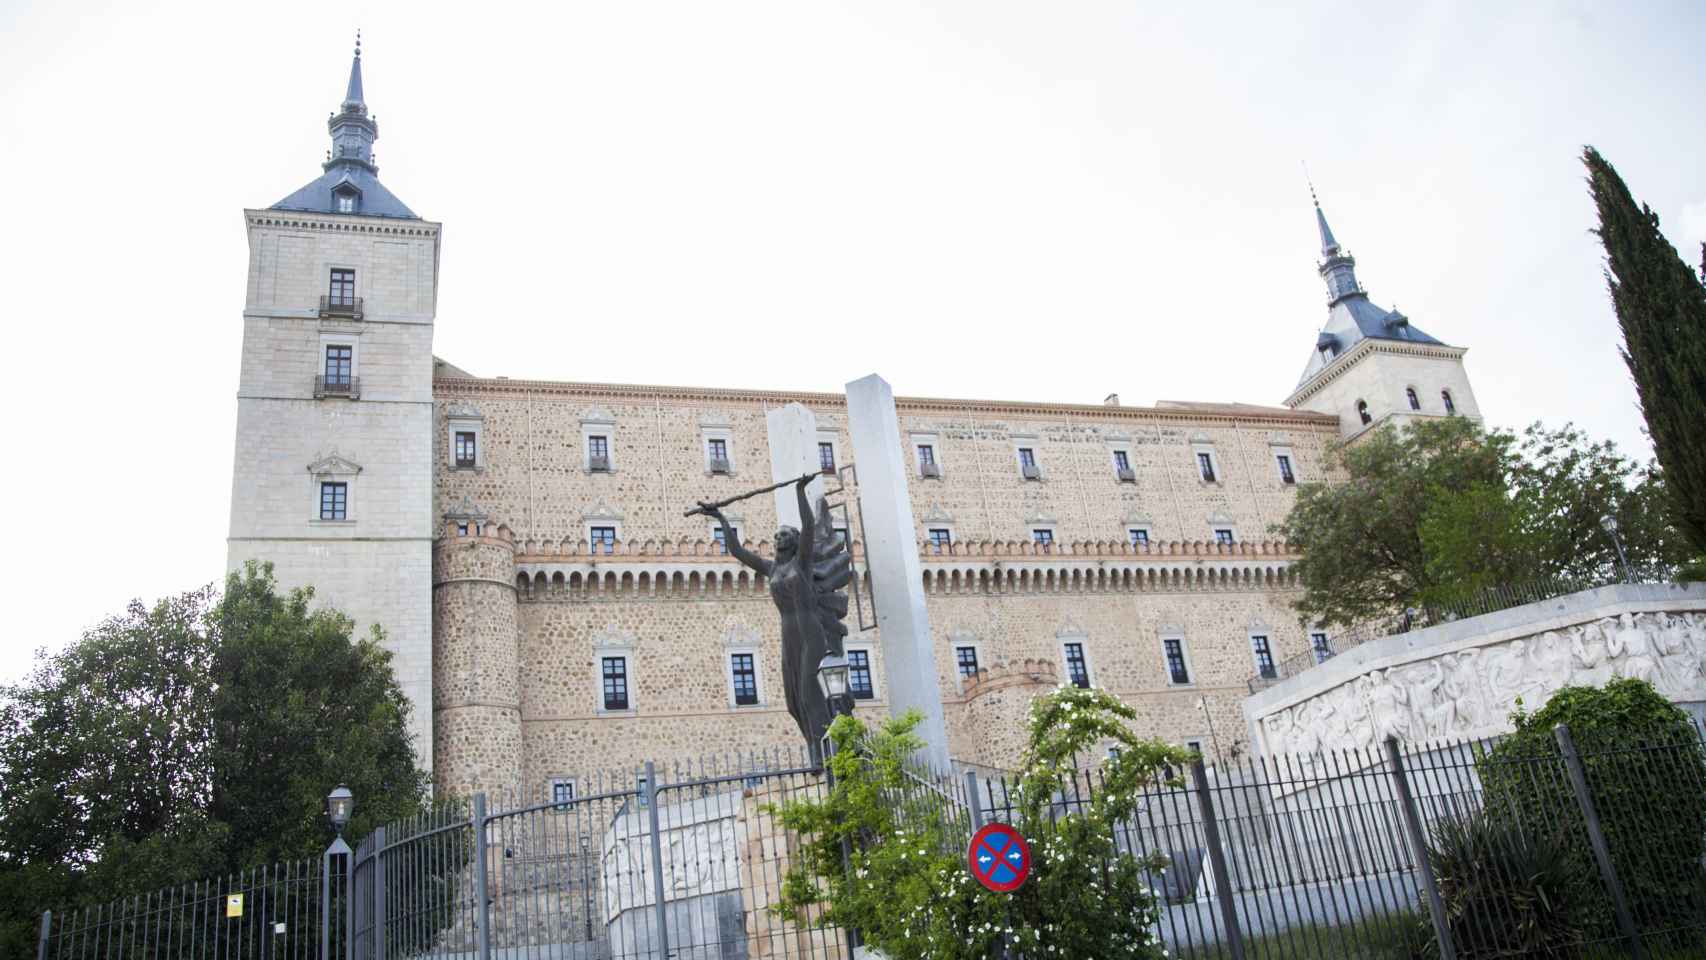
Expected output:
{"points": [[1139, 536], [826, 457], [1362, 412], [603, 540], [745, 677], [1286, 476], [940, 538], [1077, 668], [965, 660], [1264, 656], [1222, 535], [465, 449], [927, 466], [338, 360], [615, 683], [1042, 537], [720, 539], [717, 450], [598, 454], [1177, 671], [346, 203], [1205, 466], [342, 292], [859, 674], [334, 500], [1410, 395], [1450, 408]]}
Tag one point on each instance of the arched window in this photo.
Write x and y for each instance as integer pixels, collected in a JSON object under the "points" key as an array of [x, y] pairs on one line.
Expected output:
{"points": [[1450, 408], [1362, 411], [1415, 401]]}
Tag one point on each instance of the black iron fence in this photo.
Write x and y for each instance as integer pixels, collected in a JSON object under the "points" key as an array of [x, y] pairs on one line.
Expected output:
{"points": [[1396, 852]]}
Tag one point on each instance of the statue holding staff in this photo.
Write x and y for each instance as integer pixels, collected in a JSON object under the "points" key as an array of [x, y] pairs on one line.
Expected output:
{"points": [[806, 580]]}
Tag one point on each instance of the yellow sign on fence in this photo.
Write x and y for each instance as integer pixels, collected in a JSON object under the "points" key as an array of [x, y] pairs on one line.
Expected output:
{"points": [[233, 905]]}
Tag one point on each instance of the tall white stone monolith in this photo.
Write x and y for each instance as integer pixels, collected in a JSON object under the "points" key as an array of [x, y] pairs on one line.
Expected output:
{"points": [[891, 555], [793, 451]]}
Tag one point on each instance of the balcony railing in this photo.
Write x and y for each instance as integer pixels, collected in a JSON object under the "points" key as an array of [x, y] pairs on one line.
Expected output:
{"points": [[347, 387], [331, 306]]}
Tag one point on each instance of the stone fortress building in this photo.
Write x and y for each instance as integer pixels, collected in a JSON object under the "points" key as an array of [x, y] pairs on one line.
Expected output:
{"points": [[552, 612]]}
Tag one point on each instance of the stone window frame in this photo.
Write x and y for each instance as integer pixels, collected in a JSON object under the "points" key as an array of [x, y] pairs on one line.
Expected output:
{"points": [[333, 469], [1412, 398], [1083, 642], [1176, 633], [930, 544], [600, 516], [1266, 633], [758, 684], [1200, 445], [355, 272], [727, 435], [598, 424], [1148, 533], [870, 651], [917, 439], [1291, 461], [341, 338], [1327, 640], [1114, 451], [1031, 442], [834, 440], [465, 420], [615, 645], [959, 639], [1218, 522], [562, 806], [1198, 739]]}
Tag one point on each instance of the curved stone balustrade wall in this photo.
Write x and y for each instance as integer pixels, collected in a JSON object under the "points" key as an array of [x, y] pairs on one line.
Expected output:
{"points": [[1463, 679]]}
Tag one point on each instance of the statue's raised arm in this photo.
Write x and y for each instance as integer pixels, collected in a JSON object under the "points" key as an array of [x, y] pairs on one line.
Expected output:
{"points": [[731, 541]]}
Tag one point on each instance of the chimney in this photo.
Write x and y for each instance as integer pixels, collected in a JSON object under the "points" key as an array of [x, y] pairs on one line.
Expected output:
{"points": [[1111, 400]]}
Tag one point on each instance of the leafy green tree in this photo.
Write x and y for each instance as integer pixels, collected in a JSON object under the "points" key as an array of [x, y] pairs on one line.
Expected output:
{"points": [[188, 739], [1436, 512], [1661, 308]]}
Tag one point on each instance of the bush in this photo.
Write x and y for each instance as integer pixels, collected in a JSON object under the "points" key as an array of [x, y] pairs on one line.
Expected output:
{"points": [[1647, 778], [1508, 893], [908, 891]]}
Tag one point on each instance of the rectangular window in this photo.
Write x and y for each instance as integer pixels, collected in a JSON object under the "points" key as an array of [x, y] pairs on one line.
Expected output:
{"points": [[859, 674], [1139, 537], [965, 658], [598, 449], [562, 792], [1044, 537], [719, 449], [1077, 670], [826, 457], [1320, 647], [745, 679], [603, 540], [1194, 746], [338, 360], [1028, 464], [1286, 476], [465, 449], [1264, 656], [940, 539], [926, 455], [1222, 535], [1122, 462], [615, 683], [1205, 466], [334, 500], [342, 292], [1176, 660], [719, 539]]}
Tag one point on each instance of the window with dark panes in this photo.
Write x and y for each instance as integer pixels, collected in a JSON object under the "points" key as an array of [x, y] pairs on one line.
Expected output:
{"points": [[965, 658], [334, 500], [598, 447], [1044, 537], [1139, 537], [1362, 412], [562, 793], [1121, 461], [745, 679], [1410, 395], [1450, 408], [826, 457], [720, 539], [940, 538], [859, 674], [1077, 668], [1176, 660], [1027, 457], [1205, 466], [342, 292], [1223, 536], [1286, 476], [1264, 655], [465, 451], [926, 455], [1320, 647], [615, 683], [338, 362], [603, 540], [841, 536], [719, 449]]}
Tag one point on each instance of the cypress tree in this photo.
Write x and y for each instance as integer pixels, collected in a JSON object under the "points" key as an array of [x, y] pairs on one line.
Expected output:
{"points": [[1661, 308]]}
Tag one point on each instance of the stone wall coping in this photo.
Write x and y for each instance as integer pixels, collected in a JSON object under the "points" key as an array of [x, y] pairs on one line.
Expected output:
{"points": [[698, 549], [1346, 360], [1479, 631], [461, 386]]}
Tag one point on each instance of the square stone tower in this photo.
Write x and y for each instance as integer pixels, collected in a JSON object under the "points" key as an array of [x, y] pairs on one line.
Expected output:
{"points": [[332, 480]]}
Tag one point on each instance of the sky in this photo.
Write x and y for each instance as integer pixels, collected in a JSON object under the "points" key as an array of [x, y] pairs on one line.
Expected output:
{"points": [[983, 199]]}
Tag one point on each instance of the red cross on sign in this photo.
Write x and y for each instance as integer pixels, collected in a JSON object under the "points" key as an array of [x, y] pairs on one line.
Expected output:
{"points": [[999, 858]]}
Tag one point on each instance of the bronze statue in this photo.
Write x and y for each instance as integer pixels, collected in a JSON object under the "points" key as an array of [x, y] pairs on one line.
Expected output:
{"points": [[806, 579]]}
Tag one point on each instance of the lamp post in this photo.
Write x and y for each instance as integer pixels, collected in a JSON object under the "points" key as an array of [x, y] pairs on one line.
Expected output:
{"points": [[340, 803], [1202, 702], [1609, 522], [832, 677]]}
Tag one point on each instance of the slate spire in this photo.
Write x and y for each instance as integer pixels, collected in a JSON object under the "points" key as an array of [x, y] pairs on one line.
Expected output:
{"points": [[352, 95], [1338, 269], [353, 131]]}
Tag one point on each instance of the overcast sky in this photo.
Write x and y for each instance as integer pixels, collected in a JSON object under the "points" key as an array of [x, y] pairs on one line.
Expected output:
{"points": [[1017, 200]]}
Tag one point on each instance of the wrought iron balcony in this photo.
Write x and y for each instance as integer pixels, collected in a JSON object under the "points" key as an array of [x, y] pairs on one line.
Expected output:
{"points": [[1031, 472], [719, 465], [930, 471], [1127, 475], [598, 464], [331, 306], [347, 387]]}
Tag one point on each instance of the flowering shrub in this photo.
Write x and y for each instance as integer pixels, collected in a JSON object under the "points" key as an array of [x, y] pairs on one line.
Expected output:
{"points": [[905, 885]]}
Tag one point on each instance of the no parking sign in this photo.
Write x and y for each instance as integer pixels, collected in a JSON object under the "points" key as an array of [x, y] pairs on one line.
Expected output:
{"points": [[999, 858]]}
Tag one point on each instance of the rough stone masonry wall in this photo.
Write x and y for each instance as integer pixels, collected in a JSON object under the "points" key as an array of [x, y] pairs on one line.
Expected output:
{"points": [[476, 680]]}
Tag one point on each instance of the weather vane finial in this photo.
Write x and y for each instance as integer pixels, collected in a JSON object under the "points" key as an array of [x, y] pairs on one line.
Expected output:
{"points": [[1311, 183], [358, 41]]}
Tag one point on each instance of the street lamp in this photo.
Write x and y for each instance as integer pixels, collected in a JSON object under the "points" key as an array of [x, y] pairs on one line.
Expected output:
{"points": [[832, 674], [340, 803], [1609, 522]]}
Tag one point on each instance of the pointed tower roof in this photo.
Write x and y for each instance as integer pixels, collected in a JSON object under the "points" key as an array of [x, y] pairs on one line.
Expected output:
{"points": [[350, 181], [1351, 316]]}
